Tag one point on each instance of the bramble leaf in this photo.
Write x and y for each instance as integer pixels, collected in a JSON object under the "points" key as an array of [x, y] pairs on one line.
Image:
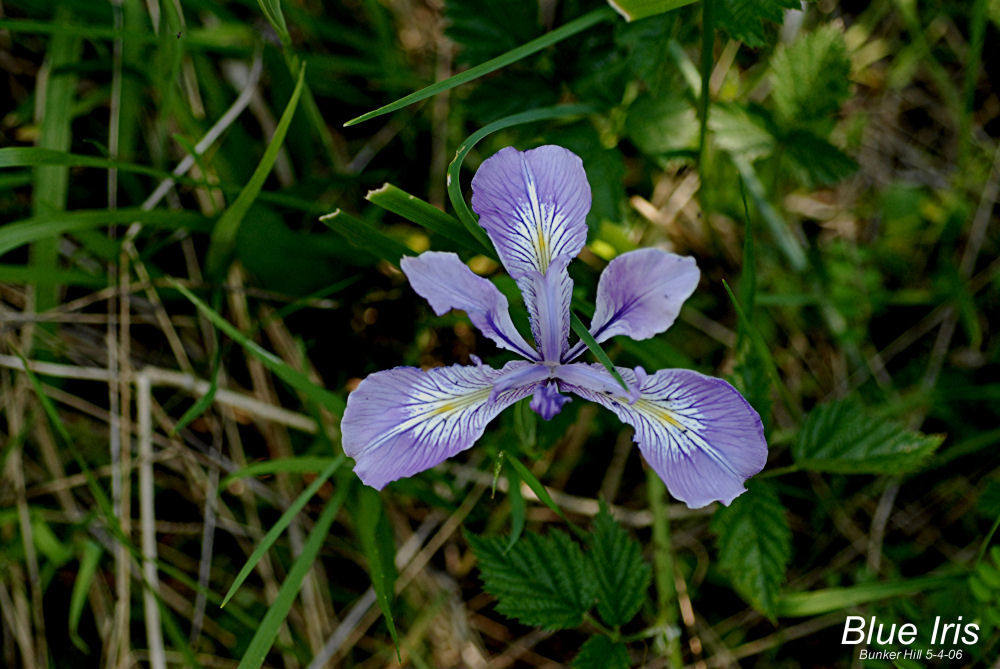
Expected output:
{"points": [[744, 19], [815, 161], [600, 652], [810, 77], [843, 437], [755, 545], [622, 576], [541, 581]]}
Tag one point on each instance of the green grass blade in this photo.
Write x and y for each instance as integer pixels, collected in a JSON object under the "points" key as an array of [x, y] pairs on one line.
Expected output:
{"points": [[366, 236], [267, 632], [282, 369], [633, 10], [426, 215], [465, 214], [283, 522], [518, 508], [29, 274], [304, 464], [29, 230], [89, 558], [375, 534], [536, 487], [55, 132], [789, 245], [834, 599], [224, 235], [581, 330], [272, 11], [512, 56]]}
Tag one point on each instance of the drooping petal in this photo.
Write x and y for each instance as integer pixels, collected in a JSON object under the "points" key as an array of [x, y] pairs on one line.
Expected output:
{"points": [[547, 401], [597, 379], [641, 292], [402, 421], [697, 432], [447, 283], [533, 205], [547, 298]]}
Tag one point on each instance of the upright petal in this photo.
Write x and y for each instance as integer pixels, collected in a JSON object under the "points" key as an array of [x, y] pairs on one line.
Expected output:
{"points": [[402, 421], [697, 432], [447, 283], [533, 205], [641, 292]]}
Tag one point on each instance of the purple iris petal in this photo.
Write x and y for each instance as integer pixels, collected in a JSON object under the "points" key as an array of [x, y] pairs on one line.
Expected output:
{"points": [[547, 401], [533, 205], [447, 283], [697, 432], [597, 379], [641, 292], [547, 298], [402, 421]]}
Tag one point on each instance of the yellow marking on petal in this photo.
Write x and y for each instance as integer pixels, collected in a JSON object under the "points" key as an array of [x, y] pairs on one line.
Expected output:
{"points": [[444, 408], [664, 415]]}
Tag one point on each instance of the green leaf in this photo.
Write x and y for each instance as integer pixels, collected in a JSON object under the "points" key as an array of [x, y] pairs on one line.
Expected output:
{"points": [[633, 10], [663, 124], [573, 27], [741, 131], [622, 577], [744, 19], [424, 214], [281, 369], [584, 334], [836, 599], [755, 544], [303, 464], [810, 78], [365, 236], [536, 486], [223, 240], [845, 438], [517, 507], [267, 632], [279, 527], [600, 652], [89, 558], [815, 161], [542, 581], [377, 543], [272, 11]]}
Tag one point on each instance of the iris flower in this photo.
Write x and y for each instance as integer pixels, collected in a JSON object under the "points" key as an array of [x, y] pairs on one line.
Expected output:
{"points": [[697, 432]]}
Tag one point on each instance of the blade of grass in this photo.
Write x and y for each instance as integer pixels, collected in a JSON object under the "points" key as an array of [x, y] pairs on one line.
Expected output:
{"points": [[281, 369], [366, 236], [267, 632], [304, 464], [584, 334], [834, 599], [465, 214], [536, 486], [29, 230], [224, 235], [272, 534], [789, 245], [89, 558], [55, 132], [375, 535], [424, 214], [633, 10], [517, 507], [573, 27]]}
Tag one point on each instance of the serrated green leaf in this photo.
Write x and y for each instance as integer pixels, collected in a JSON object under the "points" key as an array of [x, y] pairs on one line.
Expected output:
{"points": [[542, 581], [600, 652], [379, 548], [843, 437], [755, 544], [810, 77], [622, 577], [662, 125], [744, 19], [741, 131], [815, 161]]}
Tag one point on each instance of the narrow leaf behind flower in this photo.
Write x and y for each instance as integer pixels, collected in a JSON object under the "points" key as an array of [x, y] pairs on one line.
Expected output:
{"points": [[581, 330], [512, 56], [424, 214], [543, 494], [366, 236], [375, 534]]}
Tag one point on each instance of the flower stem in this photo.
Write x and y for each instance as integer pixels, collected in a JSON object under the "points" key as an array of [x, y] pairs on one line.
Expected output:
{"points": [[663, 568]]}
